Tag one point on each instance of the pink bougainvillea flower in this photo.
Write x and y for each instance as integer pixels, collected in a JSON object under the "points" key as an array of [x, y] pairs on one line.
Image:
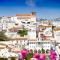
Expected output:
{"points": [[53, 55], [42, 57], [24, 53], [37, 56]]}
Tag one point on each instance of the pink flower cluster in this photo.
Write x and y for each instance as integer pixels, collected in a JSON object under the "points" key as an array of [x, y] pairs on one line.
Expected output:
{"points": [[39, 56], [53, 55], [24, 53]]}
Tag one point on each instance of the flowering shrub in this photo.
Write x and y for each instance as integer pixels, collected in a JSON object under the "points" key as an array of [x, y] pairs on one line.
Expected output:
{"points": [[39, 51], [37, 56], [28, 54], [53, 55], [42, 57], [31, 51], [42, 50], [24, 53]]}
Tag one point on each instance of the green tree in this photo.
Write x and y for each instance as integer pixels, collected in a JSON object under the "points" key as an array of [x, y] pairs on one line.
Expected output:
{"points": [[42, 50], [22, 32], [47, 51], [3, 37], [29, 55]]}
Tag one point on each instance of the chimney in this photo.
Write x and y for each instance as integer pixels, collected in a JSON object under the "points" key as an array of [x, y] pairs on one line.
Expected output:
{"points": [[33, 13]]}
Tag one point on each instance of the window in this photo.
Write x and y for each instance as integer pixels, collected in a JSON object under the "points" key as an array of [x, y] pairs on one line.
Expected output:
{"points": [[23, 22], [59, 47], [27, 43], [28, 22], [38, 42], [16, 23]]}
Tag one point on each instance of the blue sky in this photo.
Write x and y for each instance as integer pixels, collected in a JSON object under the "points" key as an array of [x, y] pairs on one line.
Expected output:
{"points": [[44, 8]]}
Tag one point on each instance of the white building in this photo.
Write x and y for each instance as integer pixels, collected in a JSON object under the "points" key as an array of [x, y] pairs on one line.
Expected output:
{"points": [[7, 22], [44, 36], [32, 44], [56, 22], [19, 21], [44, 44], [57, 35], [28, 20]]}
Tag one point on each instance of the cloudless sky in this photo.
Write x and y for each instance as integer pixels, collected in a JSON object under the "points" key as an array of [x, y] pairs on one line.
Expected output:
{"points": [[44, 8]]}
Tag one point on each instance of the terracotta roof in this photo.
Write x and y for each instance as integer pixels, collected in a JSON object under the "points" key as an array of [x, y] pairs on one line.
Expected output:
{"points": [[24, 17], [23, 14], [22, 38], [32, 14]]}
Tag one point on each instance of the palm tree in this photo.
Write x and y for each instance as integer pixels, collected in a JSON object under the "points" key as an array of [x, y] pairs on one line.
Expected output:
{"points": [[23, 32], [3, 37]]}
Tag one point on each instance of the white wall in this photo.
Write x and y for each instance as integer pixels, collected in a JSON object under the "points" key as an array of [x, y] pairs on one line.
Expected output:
{"points": [[47, 46], [32, 34], [57, 36], [56, 23], [44, 44]]}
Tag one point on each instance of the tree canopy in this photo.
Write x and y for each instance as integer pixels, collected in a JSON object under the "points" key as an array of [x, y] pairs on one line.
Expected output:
{"points": [[22, 32]]}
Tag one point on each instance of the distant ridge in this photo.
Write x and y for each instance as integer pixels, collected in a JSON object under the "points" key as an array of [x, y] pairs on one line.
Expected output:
{"points": [[57, 19]]}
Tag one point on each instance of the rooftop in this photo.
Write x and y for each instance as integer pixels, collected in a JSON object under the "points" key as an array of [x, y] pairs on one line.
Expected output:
{"points": [[32, 14]]}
